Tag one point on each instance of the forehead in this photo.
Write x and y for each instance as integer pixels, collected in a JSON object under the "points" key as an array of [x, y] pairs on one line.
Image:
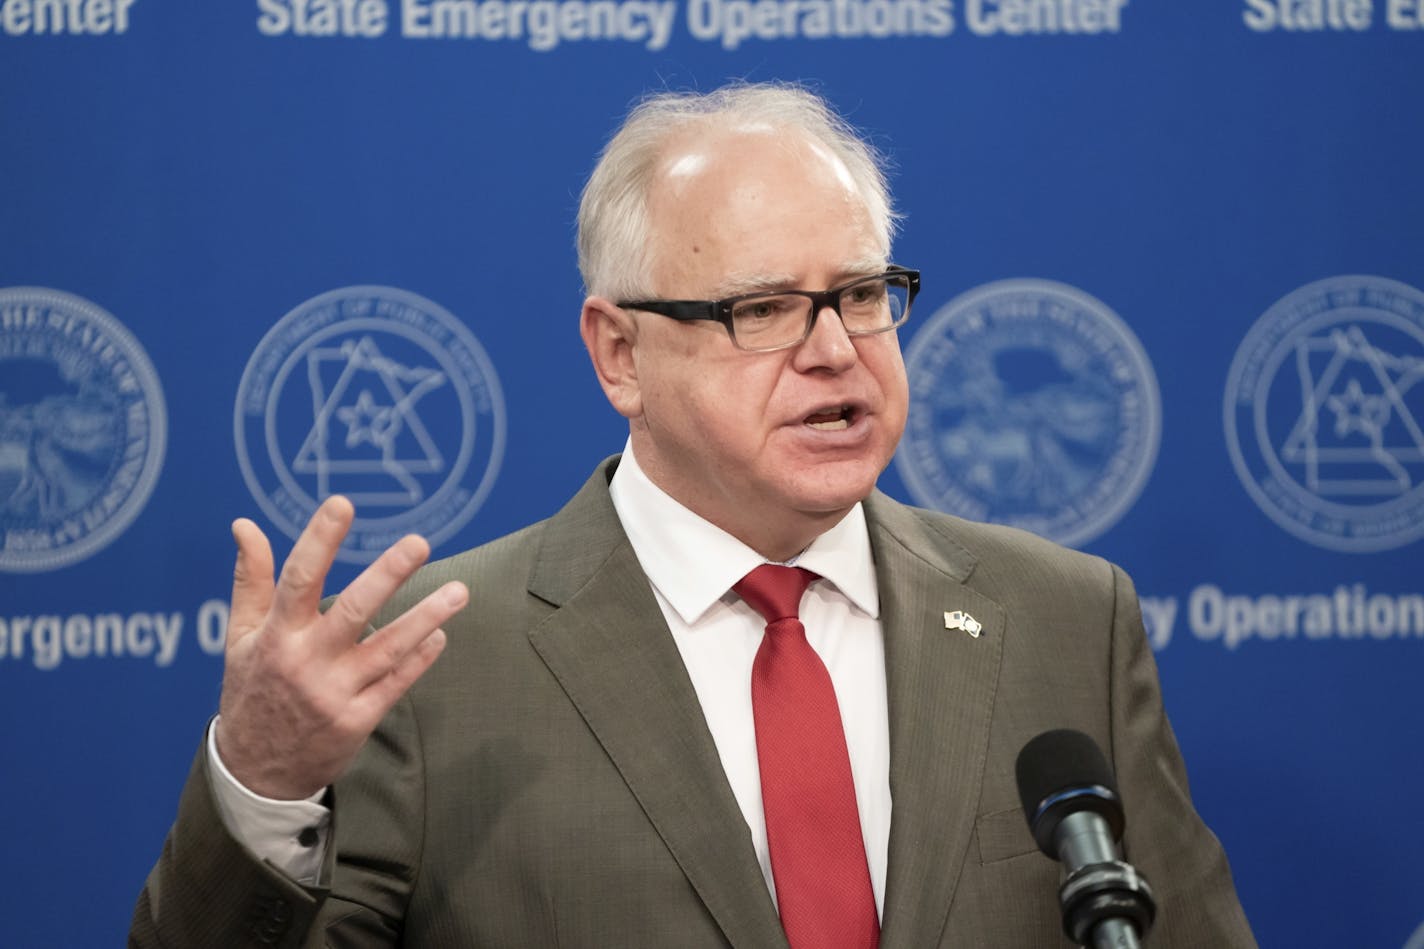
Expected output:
{"points": [[754, 200]]}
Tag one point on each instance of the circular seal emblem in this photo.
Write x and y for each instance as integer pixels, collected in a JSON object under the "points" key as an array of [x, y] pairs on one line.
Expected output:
{"points": [[1324, 413], [377, 394], [82, 429], [1031, 404]]}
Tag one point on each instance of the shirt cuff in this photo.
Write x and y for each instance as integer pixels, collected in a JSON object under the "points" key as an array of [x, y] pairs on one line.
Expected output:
{"points": [[291, 835]]}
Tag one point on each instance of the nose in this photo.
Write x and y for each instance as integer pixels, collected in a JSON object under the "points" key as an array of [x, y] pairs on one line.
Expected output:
{"points": [[828, 346]]}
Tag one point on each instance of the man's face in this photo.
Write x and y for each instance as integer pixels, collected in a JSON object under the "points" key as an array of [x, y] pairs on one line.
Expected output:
{"points": [[772, 447]]}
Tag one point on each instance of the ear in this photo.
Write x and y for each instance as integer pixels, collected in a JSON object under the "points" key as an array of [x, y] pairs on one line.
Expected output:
{"points": [[611, 335]]}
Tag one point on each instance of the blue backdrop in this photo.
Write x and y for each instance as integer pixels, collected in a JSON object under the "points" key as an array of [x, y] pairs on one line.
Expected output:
{"points": [[1173, 314]]}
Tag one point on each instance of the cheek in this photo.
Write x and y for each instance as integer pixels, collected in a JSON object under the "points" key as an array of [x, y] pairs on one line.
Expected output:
{"points": [[735, 414], [733, 403], [665, 368], [898, 393], [702, 405], [888, 366]]}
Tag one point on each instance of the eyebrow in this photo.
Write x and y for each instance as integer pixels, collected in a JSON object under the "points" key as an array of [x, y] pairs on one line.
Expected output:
{"points": [[735, 285], [740, 283]]}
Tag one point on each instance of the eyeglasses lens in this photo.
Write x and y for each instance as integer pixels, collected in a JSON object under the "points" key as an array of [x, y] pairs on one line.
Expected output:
{"points": [[776, 320]]}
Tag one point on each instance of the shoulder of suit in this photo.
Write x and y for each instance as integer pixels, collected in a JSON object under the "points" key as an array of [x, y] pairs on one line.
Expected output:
{"points": [[505, 563], [988, 548], [500, 565]]}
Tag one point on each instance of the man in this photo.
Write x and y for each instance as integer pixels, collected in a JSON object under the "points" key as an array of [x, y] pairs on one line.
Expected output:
{"points": [[587, 765]]}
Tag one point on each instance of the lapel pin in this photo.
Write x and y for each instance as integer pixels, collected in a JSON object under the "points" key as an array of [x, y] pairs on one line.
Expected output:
{"points": [[958, 619]]}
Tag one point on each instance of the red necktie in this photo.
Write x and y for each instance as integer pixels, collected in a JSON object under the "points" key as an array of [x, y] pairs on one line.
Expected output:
{"points": [[812, 825]]}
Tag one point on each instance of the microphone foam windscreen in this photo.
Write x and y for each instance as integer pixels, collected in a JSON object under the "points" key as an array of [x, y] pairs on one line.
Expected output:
{"points": [[1056, 761]]}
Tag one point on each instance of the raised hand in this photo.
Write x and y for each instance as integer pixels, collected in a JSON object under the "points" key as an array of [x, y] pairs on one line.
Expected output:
{"points": [[302, 691]]}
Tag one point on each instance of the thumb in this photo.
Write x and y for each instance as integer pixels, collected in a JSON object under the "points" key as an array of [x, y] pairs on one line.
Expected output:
{"points": [[251, 579]]}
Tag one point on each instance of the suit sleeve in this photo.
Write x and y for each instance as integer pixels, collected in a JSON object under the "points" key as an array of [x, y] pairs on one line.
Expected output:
{"points": [[1165, 838], [207, 889]]}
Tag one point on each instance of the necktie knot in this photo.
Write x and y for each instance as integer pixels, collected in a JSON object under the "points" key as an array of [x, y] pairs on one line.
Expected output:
{"points": [[774, 591]]}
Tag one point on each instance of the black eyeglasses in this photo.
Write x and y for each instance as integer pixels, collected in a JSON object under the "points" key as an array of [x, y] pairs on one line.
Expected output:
{"points": [[761, 322]]}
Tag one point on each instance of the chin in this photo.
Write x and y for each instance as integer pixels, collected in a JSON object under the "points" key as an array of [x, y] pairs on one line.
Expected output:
{"points": [[829, 492]]}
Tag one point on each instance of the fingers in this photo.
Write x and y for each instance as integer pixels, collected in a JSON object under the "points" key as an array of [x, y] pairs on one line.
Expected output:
{"points": [[349, 616], [376, 699], [299, 588], [251, 578], [389, 651], [302, 694]]}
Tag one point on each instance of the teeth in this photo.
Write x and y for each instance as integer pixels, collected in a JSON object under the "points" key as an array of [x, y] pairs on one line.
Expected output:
{"points": [[831, 420]]}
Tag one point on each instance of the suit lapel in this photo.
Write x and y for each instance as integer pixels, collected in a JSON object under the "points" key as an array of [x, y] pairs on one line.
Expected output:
{"points": [[941, 685], [609, 648]]}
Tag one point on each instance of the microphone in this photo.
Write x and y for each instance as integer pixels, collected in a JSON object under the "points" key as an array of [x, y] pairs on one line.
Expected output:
{"points": [[1070, 799]]}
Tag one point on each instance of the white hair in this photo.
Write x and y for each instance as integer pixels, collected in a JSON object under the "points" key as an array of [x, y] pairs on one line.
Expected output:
{"points": [[614, 240]]}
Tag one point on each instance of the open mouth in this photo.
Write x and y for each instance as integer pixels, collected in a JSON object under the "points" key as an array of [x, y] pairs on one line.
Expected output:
{"points": [[832, 420]]}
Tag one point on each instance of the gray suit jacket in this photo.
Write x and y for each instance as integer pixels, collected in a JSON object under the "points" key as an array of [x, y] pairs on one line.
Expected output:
{"points": [[551, 780]]}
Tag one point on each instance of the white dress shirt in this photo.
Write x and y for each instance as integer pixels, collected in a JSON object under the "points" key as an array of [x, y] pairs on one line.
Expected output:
{"points": [[691, 565]]}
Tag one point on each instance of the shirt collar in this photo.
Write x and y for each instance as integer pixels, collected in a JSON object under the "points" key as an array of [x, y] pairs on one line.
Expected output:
{"points": [[693, 563]]}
